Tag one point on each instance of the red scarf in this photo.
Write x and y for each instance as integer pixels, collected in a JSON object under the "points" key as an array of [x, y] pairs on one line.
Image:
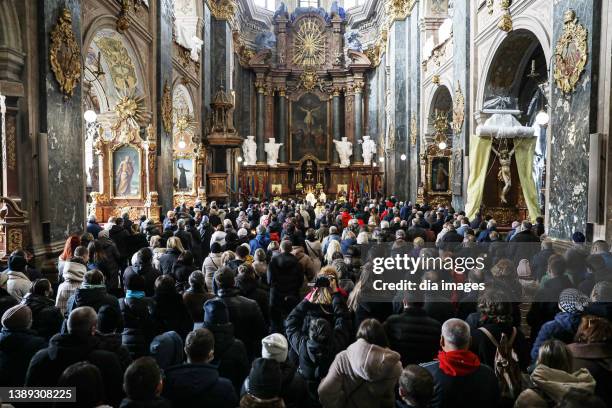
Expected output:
{"points": [[458, 363]]}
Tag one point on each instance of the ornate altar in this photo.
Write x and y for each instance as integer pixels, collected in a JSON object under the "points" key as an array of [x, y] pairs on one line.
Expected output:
{"points": [[13, 228], [127, 166]]}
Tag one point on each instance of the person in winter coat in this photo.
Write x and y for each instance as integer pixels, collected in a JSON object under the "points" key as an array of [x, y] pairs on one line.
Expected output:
{"points": [[46, 318], [143, 385], [197, 383], [93, 227], [139, 328], [142, 264], [78, 344], [87, 381], [174, 248], [230, 355], [73, 273], [167, 349], [316, 348], [413, 334], [593, 351], [365, 374], [182, 269], [244, 313], [195, 297], [211, 264], [101, 260], [308, 266], [552, 377], [168, 309], [250, 288], [565, 323], [92, 292], [108, 332], [261, 240], [416, 387], [18, 344], [264, 385], [285, 277], [460, 380], [18, 284]]}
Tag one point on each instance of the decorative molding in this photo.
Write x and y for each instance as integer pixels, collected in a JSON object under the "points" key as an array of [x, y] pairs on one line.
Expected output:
{"points": [[571, 53], [65, 54], [413, 129], [400, 9], [458, 110], [505, 22], [376, 51], [222, 9], [166, 108]]}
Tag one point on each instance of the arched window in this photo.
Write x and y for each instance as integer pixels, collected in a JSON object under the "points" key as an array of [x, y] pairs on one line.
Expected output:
{"points": [[266, 4]]}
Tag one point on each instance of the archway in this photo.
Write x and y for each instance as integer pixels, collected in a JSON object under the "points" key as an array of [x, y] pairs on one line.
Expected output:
{"points": [[441, 104]]}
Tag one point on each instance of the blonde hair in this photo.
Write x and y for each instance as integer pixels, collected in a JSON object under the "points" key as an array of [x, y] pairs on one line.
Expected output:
{"points": [[332, 248], [175, 243], [419, 242], [155, 241], [227, 257]]}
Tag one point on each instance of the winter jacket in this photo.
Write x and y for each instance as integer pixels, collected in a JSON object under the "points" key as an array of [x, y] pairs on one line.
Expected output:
{"points": [[247, 318], [120, 236], [308, 266], [170, 313], [94, 229], [482, 346], [17, 347], [48, 364], [211, 264], [563, 327], [167, 349], [293, 387], [148, 272], [473, 386], [364, 375], [167, 261], [545, 303], [550, 385], [18, 284], [194, 302], [250, 401], [597, 358], [539, 263], [252, 290], [139, 328], [185, 238], [95, 297], [46, 318], [260, 241], [180, 272], [73, 277], [414, 335], [110, 269], [198, 385], [285, 277]]}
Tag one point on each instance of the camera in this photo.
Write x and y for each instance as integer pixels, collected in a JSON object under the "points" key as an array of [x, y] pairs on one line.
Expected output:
{"points": [[322, 282]]}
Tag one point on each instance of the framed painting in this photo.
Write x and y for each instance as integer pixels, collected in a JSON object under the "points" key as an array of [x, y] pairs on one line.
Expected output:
{"points": [[126, 172], [440, 174], [184, 175], [309, 128]]}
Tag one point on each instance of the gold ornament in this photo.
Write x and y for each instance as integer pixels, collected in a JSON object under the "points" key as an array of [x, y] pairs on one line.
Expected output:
{"points": [[166, 108], [570, 53], [413, 129], [400, 9], [222, 9], [505, 23], [130, 111], [309, 79], [65, 55], [309, 44], [458, 110], [490, 4]]}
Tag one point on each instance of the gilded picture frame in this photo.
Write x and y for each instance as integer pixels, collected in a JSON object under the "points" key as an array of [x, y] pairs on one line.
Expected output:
{"points": [[126, 164]]}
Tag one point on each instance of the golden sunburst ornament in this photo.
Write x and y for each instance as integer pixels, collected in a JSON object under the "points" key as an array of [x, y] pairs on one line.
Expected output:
{"points": [[309, 44], [130, 110]]}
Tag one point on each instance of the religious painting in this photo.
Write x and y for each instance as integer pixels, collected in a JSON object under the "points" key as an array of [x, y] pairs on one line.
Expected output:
{"points": [[309, 128], [440, 174], [342, 189], [277, 189], [183, 175], [126, 172]]}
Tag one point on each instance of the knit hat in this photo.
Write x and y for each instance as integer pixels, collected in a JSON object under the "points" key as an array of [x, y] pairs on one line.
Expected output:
{"points": [[104, 233], [167, 349], [265, 379], [275, 347], [572, 301], [17, 318], [523, 269], [215, 313], [578, 237], [17, 263], [109, 319]]}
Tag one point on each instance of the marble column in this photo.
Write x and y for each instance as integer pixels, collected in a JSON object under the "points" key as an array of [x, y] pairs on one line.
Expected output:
{"points": [[62, 133], [165, 169], [282, 125], [260, 128], [358, 123], [337, 135]]}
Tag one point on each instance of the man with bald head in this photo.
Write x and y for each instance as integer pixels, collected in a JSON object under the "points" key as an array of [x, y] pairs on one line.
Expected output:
{"points": [[460, 380], [79, 344]]}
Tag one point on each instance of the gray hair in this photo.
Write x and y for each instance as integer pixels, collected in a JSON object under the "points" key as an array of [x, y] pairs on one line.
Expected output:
{"points": [[92, 218], [456, 332], [81, 321], [181, 223]]}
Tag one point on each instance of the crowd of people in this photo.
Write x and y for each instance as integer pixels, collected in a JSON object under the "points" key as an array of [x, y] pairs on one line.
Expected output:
{"points": [[269, 304]]}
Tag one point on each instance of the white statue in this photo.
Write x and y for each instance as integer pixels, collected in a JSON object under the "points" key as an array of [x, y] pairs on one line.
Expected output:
{"points": [[272, 149], [345, 151], [249, 150], [368, 148]]}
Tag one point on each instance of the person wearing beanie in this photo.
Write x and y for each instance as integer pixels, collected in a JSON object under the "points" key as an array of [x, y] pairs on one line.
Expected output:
{"points": [[109, 328], [18, 283], [565, 324], [264, 385], [275, 347], [167, 349], [230, 353], [211, 264], [17, 345], [93, 293], [142, 264], [197, 383], [139, 326]]}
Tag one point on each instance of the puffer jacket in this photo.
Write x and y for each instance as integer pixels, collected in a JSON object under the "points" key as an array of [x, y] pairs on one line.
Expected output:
{"points": [[46, 318], [167, 261], [17, 347], [230, 354], [563, 327], [597, 358], [18, 284], [414, 335], [139, 328], [364, 375], [551, 385]]}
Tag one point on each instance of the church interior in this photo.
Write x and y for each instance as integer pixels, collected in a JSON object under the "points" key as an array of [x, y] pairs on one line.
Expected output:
{"points": [[246, 131]]}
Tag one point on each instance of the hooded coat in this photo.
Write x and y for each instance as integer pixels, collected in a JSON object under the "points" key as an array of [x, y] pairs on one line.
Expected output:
{"points": [[597, 358], [364, 375], [18, 284], [73, 277], [16, 349], [306, 261], [46, 318], [167, 350], [563, 327], [414, 335], [551, 385], [139, 328], [211, 264]]}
